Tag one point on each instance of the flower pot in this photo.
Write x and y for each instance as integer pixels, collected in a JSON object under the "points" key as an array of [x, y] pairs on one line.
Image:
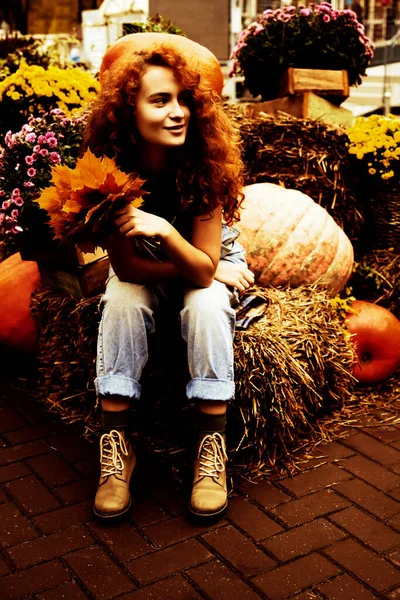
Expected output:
{"points": [[384, 218], [333, 85]]}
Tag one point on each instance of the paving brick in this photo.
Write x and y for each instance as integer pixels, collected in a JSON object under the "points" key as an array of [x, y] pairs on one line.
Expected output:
{"points": [[34, 580], [176, 530], [74, 448], [394, 557], [306, 508], [266, 494], [4, 568], [393, 595], [165, 562], [13, 472], [251, 519], [33, 432], [171, 499], [368, 529], [284, 581], [374, 449], [395, 522], [89, 468], [14, 528], [77, 491], [175, 588], [303, 540], [62, 518], [146, 511], [49, 547], [333, 451], [385, 433], [102, 577], [9, 419], [31, 494], [3, 497], [23, 451], [345, 587], [68, 591], [369, 498], [320, 478], [121, 539], [237, 549], [371, 472], [395, 493], [365, 564], [307, 595], [220, 583], [53, 469]]}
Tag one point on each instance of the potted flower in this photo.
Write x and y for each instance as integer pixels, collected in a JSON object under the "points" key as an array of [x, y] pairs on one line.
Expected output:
{"points": [[317, 37], [25, 168], [374, 144]]}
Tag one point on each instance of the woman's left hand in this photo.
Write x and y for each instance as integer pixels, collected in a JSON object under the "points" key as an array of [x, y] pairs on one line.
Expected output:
{"points": [[133, 221]]}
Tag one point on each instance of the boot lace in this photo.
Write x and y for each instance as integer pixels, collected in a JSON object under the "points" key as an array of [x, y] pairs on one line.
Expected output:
{"points": [[212, 455], [112, 449]]}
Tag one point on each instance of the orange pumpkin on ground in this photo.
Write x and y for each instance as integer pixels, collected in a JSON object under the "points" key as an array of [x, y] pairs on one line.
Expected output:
{"points": [[199, 57], [18, 279], [376, 334], [291, 240]]}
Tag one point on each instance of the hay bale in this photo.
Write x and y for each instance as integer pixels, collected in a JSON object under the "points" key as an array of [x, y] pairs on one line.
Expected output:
{"points": [[292, 367], [376, 278], [306, 155]]}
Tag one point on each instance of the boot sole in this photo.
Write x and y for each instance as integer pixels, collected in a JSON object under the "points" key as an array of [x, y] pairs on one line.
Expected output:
{"points": [[211, 515]]}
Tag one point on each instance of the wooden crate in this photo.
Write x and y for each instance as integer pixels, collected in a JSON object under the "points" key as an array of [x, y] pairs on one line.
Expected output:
{"points": [[80, 281], [333, 84], [303, 106]]}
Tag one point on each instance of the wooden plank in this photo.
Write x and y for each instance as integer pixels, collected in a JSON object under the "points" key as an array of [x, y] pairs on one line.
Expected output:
{"points": [[302, 106], [320, 81], [87, 257]]}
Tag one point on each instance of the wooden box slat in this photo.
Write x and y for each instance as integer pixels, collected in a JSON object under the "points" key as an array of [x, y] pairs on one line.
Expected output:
{"points": [[81, 281], [303, 106], [319, 81]]}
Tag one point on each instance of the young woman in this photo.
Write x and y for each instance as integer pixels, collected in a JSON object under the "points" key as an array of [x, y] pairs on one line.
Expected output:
{"points": [[155, 118]]}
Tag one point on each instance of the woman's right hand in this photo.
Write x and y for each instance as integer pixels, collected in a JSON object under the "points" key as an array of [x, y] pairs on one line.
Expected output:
{"points": [[234, 274]]}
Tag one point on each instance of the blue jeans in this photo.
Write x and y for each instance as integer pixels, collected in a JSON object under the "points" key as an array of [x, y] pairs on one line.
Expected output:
{"points": [[207, 321]]}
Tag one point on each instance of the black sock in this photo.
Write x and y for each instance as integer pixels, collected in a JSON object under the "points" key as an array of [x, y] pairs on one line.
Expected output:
{"points": [[118, 420], [211, 423]]}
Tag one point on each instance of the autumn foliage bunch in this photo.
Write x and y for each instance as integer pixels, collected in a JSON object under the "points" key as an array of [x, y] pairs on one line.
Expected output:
{"points": [[81, 201]]}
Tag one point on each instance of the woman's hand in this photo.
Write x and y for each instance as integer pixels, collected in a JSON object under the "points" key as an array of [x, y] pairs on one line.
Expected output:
{"points": [[133, 221], [234, 274]]}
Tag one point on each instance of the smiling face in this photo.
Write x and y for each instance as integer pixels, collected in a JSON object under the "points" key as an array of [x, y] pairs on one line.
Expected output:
{"points": [[162, 111]]}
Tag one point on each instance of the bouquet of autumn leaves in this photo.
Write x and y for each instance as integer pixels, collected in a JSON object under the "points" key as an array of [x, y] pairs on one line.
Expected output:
{"points": [[82, 201]]}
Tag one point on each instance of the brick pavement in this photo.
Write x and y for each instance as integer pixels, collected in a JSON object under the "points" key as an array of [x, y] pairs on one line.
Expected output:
{"points": [[331, 532]]}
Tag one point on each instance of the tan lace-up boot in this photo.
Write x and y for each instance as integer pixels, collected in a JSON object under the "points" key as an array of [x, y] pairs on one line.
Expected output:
{"points": [[117, 463], [209, 492]]}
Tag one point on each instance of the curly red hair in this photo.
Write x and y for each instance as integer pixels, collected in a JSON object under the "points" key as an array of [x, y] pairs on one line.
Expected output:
{"points": [[210, 171]]}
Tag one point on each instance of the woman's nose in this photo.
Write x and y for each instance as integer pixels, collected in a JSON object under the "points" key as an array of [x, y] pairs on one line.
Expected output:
{"points": [[176, 111]]}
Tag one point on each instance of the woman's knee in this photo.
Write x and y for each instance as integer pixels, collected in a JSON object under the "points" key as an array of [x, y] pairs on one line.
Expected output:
{"points": [[211, 302]]}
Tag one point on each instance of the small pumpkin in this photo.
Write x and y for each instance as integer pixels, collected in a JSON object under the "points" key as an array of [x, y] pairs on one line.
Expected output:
{"points": [[376, 334], [18, 280], [198, 56], [291, 240]]}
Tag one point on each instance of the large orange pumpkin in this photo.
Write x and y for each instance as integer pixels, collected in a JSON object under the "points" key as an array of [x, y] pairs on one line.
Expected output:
{"points": [[290, 240], [199, 57], [18, 279]]}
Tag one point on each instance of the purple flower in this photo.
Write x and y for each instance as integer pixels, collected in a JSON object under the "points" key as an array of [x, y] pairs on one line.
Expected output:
{"points": [[31, 172], [29, 184], [26, 128], [1, 218], [56, 111], [18, 201], [30, 159], [15, 213], [36, 148], [6, 205], [258, 29], [2, 193], [305, 12], [16, 192], [52, 142], [43, 152], [9, 139], [326, 18], [41, 139], [31, 137], [16, 229], [55, 157]]}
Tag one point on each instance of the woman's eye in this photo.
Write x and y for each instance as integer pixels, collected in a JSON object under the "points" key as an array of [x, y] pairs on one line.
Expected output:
{"points": [[160, 101]]}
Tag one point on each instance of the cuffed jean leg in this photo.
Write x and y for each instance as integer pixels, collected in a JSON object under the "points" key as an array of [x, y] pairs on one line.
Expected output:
{"points": [[207, 325], [122, 348]]}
